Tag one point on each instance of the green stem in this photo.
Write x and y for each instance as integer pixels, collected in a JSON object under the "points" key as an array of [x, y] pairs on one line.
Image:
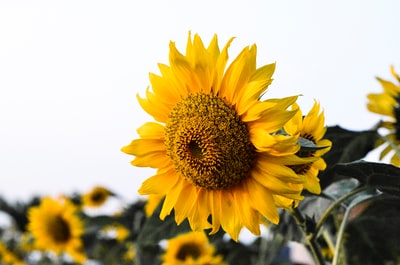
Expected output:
{"points": [[312, 244], [333, 206]]}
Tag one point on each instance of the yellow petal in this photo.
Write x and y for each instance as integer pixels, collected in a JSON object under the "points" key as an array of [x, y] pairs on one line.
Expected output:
{"points": [[171, 197], [154, 107], [238, 74], [260, 108], [186, 201], [153, 160], [160, 183], [274, 184], [262, 200], [165, 88], [198, 218], [220, 68], [215, 209], [151, 130], [141, 147], [249, 217], [229, 220], [282, 172]]}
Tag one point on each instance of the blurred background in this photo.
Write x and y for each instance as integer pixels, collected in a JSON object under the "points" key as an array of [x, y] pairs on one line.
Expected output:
{"points": [[70, 72]]}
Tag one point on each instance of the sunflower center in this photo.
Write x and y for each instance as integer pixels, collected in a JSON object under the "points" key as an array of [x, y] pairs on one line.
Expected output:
{"points": [[208, 143], [188, 250], [98, 197], [195, 150], [59, 229]]}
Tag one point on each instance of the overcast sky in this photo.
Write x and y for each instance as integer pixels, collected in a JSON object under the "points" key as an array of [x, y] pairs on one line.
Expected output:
{"points": [[70, 72]]}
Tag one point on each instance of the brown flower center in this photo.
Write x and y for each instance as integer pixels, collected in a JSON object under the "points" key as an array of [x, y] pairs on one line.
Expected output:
{"points": [[59, 229], [208, 143], [188, 250]]}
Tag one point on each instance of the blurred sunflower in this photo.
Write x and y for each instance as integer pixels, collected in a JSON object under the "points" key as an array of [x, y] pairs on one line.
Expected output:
{"points": [[215, 143], [8, 257], [387, 103], [117, 231], [191, 248], [96, 197], [311, 130], [56, 226], [130, 253]]}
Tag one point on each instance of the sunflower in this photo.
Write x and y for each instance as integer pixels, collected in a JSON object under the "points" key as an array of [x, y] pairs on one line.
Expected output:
{"points": [[56, 226], [117, 231], [387, 103], [311, 130], [215, 144], [130, 253], [96, 197], [191, 248], [8, 257]]}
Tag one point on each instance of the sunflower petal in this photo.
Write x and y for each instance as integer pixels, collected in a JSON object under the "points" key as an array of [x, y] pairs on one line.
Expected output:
{"points": [[262, 201]]}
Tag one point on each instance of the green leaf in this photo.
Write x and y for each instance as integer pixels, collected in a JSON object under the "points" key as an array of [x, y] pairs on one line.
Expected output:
{"points": [[372, 235], [307, 145], [155, 229], [380, 175], [347, 146]]}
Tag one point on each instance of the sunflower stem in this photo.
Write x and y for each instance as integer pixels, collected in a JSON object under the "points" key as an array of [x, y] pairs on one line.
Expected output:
{"points": [[331, 207], [312, 244]]}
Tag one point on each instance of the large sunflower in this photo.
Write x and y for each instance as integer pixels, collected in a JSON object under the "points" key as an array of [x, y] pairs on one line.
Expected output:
{"points": [[56, 226], [310, 128], [191, 248], [387, 103], [215, 143]]}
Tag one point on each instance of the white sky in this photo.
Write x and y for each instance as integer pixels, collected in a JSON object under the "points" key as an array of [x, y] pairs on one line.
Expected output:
{"points": [[70, 72]]}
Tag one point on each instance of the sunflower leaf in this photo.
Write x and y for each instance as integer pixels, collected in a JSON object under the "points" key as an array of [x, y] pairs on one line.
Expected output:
{"points": [[307, 145], [347, 146], [155, 229], [379, 245], [380, 175]]}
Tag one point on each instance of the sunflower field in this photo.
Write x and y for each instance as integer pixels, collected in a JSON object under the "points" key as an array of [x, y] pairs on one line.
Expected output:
{"points": [[240, 178]]}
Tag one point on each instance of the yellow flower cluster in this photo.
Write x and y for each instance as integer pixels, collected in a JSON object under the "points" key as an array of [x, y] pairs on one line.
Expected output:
{"points": [[225, 158]]}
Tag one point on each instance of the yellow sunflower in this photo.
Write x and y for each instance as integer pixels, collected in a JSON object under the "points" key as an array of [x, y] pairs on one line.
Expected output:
{"points": [[56, 226], [310, 128], [215, 143], [130, 253], [191, 248], [117, 231], [387, 103], [96, 197], [8, 257]]}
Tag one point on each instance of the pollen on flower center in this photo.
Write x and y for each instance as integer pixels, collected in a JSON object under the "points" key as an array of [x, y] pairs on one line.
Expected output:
{"points": [[208, 143]]}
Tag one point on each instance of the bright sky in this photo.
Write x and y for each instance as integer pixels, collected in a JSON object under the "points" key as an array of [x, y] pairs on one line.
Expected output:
{"points": [[70, 72]]}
